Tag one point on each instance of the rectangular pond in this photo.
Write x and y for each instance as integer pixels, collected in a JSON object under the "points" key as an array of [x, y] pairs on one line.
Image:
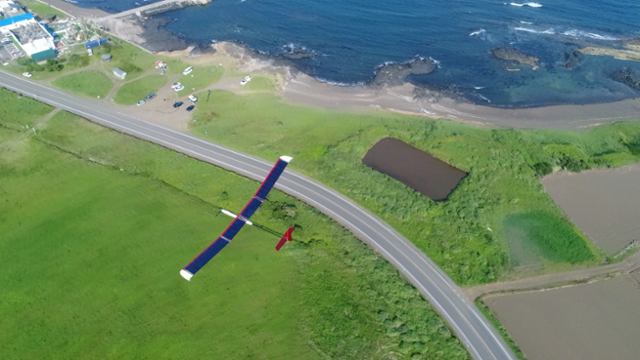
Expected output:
{"points": [[413, 167]]}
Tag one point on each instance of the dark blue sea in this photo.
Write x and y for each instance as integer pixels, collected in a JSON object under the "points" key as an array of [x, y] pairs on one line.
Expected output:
{"points": [[351, 38]]}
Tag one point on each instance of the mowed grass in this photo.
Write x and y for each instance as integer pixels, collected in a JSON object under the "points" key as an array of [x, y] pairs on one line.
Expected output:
{"points": [[131, 93], [201, 77], [42, 9], [89, 83], [16, 111], [96, 226], [465, 235]]}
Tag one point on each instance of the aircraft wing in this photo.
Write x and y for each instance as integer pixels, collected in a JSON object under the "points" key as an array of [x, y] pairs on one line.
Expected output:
{"points": [[201, 260]]}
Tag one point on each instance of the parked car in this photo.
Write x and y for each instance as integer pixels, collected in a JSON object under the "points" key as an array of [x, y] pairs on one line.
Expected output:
{"points": [[191, 107], [193, 99], [141, 102], [175, 85], [151, 96], [178, 104], [188, 70], [179, 88], [27, 74], [245, 80]]}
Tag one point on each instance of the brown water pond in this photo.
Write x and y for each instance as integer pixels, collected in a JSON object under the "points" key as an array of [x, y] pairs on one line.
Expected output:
{"points": [[413, 167]]}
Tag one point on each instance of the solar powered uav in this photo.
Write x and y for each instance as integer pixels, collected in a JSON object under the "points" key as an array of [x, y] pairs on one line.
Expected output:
{"points": [[233, 229]]}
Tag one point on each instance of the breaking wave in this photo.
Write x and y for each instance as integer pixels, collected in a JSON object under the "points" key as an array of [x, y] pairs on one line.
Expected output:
{"points": [[573, 33], [530, 4]]}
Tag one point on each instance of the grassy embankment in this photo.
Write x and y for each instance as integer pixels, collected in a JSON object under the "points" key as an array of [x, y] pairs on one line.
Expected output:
{"points": [[41, 9], [132, 92], [96, 226], [464, 235], [90, 83]]}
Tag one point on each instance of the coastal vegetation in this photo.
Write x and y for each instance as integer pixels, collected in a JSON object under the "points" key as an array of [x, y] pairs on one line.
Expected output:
{"points": [[555, 239], [132, 92], [89, 83], [97, 225], [465, 235]]}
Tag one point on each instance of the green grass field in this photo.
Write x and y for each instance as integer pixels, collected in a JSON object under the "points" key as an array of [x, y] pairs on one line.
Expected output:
{"points": [[201, 77], [96, 226], [89, 83], [464, 235], [41, 9], [131, 93]]}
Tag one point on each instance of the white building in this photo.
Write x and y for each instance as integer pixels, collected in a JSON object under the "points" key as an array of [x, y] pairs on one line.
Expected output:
{"points": [[119, 73], [33, 38], [9, 8]]}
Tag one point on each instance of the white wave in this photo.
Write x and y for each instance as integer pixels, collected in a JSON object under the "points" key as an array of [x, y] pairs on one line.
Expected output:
{"points": [[479, 87], [336, 83], [530, 4], [525, 22], [549, 31], [582, 34], [484, 98], [478, 32]]}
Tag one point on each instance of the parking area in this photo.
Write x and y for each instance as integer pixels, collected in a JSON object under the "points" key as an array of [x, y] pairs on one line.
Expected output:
{"points": [[9, 51]]}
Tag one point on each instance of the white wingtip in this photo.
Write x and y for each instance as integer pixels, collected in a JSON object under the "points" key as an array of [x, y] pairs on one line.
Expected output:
{"points": [[185, 274], [286, 159]]}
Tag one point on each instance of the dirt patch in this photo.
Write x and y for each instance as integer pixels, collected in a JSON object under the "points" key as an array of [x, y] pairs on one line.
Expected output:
{"points": [[592, 321], [604, 204], [413, 167]]}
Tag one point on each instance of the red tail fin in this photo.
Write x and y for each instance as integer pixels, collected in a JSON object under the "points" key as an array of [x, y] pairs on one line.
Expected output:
{"points": [[286, 237]]}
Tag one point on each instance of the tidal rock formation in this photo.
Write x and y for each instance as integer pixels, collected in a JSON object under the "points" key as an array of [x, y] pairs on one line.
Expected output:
{"points": [[395, 74], [296, 53], [514, 57], [572, 59], [628, 78], [631, 51]]}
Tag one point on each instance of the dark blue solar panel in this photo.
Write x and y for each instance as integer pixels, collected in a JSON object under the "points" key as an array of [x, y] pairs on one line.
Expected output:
{"points": [[251, 208], [232, 230], [239, 222], [206, 255], [271, 179]]}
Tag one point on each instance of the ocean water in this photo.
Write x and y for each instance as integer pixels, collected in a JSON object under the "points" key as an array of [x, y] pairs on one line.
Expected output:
{"points": [[352, 38]]}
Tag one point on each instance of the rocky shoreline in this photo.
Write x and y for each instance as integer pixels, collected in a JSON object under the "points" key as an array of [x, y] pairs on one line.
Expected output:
{"points": [[513, 57], [150, 34]]}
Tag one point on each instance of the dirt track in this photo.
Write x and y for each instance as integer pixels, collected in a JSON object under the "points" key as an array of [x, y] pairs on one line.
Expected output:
{"points": [[627, 266]]}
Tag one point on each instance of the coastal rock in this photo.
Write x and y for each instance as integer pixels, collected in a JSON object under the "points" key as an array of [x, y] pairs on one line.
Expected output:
{"points": [[395, 74], [628, 78], [157, 38], [572, 59], [515, 56], [631, 51], [296, 53]]}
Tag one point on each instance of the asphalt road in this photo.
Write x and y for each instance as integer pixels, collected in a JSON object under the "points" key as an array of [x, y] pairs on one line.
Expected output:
{"points": [[464, 318]]}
